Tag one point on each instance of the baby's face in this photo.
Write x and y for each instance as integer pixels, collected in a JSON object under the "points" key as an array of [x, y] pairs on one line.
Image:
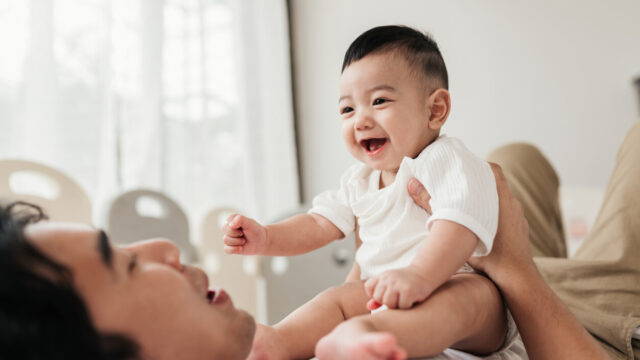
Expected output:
{"points": [[385, 111]]}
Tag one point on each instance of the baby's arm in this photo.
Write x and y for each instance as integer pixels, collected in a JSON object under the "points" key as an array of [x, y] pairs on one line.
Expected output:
{"points": [[448, 246], [296, 235]]}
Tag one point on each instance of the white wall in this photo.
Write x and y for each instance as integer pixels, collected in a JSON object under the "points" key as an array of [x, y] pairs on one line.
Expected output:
{"points": [[556, 73]]}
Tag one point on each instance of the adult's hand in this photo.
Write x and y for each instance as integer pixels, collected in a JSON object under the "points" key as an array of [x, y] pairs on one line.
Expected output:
{"points": [[511, 250], [533, 304]]}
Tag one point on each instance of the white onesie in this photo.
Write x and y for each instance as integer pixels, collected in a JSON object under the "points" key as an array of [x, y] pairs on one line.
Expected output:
{"points": [[392, 226]]}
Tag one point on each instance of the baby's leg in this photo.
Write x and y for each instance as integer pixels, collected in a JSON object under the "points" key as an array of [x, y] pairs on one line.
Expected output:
{"points": [[465, 313], [296, 335]]}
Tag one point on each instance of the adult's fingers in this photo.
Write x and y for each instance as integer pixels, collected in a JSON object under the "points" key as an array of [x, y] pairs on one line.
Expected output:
{"points": [[497, 172], [511, 246], [508, 202], [419, 194], [504, 193]]}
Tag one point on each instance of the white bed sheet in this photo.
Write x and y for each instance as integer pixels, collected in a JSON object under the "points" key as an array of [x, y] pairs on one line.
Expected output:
{"points": [[515, 352]]}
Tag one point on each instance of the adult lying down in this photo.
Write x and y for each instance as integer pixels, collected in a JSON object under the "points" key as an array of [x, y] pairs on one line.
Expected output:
{"points": [[67, 293]]}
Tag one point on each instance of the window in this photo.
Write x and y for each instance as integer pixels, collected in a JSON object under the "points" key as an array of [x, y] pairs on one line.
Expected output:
{"points": [[121, 94]]}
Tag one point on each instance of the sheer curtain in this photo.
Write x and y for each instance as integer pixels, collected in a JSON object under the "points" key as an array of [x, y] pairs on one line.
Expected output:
{"points": [[189, 97], [268, 130]]}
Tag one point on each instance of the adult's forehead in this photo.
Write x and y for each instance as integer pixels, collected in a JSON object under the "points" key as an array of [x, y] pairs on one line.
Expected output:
{"points": [[54, 236], [48, 226]]}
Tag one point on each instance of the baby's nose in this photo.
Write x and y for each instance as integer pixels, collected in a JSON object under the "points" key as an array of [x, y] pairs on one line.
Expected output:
{"points": [[363, 121]]}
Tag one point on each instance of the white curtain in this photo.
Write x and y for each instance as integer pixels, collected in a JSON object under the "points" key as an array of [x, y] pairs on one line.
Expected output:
{"points": [[268, 126], [189, 97]]}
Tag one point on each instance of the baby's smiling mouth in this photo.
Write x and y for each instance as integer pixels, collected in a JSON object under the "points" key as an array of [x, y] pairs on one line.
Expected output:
{"points": [[372, 145]]}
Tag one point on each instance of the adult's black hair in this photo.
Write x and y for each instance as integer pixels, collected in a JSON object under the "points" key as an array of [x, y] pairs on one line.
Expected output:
{"points": [[41, 314], [419, 49]]}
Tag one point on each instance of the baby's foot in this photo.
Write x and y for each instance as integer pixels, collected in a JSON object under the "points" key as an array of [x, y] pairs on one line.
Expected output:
{"points": [[348, 342], [267, 345]]}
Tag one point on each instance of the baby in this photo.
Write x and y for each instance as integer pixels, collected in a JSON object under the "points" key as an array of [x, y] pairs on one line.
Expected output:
{"points": [[393, 102]]}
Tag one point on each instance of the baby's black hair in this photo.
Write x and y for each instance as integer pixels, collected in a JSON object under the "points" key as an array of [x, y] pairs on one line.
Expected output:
{"points": [[419, 49]]}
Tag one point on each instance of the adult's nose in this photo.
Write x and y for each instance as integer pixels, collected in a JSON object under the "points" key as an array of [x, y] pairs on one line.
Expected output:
{"points": [[157, 250]]}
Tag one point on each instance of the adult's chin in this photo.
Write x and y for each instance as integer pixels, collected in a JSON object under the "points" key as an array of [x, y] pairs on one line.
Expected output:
{"points": [[246, 333]]}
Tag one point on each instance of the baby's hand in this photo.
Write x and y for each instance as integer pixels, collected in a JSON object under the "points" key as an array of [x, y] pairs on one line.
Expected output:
{"points": [[243, 235], [399, 288]]}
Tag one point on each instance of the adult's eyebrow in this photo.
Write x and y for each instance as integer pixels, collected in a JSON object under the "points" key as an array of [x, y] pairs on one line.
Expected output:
{"points": [[104, 248]]}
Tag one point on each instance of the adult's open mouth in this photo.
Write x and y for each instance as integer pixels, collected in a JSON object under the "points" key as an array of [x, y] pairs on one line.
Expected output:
{"points": [[217, 295], [374, 145]]}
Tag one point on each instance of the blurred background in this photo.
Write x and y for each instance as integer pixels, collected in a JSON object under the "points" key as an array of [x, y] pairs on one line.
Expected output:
{"points": [[121, 94], [232, 104], [558, 74]]}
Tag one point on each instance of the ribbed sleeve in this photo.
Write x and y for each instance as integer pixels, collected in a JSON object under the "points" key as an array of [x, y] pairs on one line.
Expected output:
{"points": [[335, 205], [462, 189]]}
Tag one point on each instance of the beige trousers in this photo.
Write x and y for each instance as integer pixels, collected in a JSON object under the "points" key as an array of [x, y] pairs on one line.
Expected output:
{"points": [[601, 283]]}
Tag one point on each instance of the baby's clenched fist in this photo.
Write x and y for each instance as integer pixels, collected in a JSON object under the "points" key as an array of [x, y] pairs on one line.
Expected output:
{"points": [[243, 235]]}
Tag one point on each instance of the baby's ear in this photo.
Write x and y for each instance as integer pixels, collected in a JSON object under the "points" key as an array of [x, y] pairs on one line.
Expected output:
{"points": [[439, 106]]}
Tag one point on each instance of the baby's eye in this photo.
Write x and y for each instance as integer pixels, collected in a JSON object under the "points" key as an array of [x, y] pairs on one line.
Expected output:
{"points": [[379, 101], [346, 109]]}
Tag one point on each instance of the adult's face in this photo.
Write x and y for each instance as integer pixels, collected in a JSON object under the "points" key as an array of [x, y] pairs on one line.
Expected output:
{"points": [[144, 292]]}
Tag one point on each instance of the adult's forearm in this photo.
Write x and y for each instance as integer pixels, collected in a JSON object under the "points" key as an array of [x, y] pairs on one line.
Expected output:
{"points": [[548, 329]]}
